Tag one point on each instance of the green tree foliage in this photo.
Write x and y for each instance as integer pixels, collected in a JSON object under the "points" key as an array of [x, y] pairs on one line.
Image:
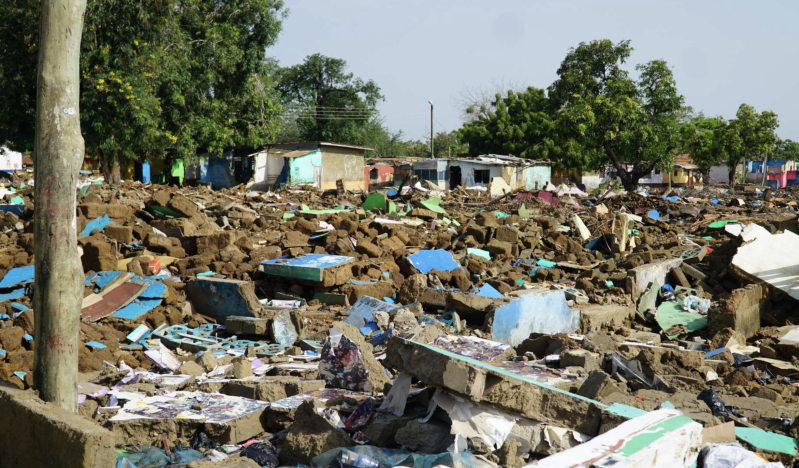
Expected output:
{"points": [[519, 123], [386, 144], [159, 78], [752, 137], [605, 117], [705, 139], [786, 150], [328, 103]]}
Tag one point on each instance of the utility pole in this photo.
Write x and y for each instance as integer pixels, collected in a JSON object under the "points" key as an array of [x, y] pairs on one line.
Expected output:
{"points": [[432, 135], [58, 153]]}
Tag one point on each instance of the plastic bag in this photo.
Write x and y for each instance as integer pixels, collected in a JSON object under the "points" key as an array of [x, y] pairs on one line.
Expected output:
{"points": [[716, 405], [262, 453], [200, 441], [696, 304], [150, 457], [186, 456], [733, 456]]}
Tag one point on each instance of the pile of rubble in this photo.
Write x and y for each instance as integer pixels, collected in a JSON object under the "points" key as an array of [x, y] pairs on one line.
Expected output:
{"points": [[417, 328]]}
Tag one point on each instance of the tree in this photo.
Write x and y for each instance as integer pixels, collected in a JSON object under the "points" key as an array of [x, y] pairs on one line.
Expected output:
{"points": [[786, 150], [58, 286], [605, 117], [160, 78], [705, 139], [520, 124], [386, 144], [328, 103], [752, 137], [480, 100]]}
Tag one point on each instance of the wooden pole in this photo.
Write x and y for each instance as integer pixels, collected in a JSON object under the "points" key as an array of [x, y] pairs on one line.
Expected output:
{"points": [[59, 150]]}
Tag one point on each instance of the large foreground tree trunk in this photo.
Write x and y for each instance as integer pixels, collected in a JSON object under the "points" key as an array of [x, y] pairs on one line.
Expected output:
{"points": [[59, 149]]}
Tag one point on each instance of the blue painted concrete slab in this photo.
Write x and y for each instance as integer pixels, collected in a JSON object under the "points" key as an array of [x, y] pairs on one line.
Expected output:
{"points": [[428, 260], [15, 276], [308, 267], [97, 223], [536, 312], [487, 290], [15, 209], [360, 313], [15, 294], [137, 308]]}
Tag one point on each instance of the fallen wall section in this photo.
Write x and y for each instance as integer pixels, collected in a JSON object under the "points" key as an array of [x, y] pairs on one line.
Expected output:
{"points": [[34, 433]]}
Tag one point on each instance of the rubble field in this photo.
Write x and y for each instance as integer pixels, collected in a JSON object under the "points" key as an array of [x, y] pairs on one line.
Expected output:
{"points": [[410, 327]]}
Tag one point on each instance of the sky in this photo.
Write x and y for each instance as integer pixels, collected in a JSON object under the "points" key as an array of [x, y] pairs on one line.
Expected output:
{"points": [[723, 52]]}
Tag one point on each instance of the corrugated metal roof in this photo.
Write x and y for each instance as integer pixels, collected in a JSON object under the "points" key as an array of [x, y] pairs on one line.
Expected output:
{"points": [[297, 154]]}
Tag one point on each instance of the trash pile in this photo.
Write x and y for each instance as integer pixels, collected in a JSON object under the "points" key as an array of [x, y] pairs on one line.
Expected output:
{"points": [[415, 328]]}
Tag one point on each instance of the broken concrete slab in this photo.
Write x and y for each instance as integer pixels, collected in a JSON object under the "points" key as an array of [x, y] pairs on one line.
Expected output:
{"points": [[658, 439], [277, 325], [227, 419], [32, 425], [348, 362], [221, 298], [741, 311], [362, 311], [310, 435], [643, 276], [771, 259], [485, 382], [594, 317], [328, 270], [537, 311], [426, 261], [270, 388]]}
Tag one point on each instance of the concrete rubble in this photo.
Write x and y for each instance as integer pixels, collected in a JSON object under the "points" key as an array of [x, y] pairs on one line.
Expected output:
{"points": [[554, 328]]}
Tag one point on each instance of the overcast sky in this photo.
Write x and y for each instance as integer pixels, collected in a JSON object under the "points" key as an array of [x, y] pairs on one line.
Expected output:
{"points": [[723, 52]]}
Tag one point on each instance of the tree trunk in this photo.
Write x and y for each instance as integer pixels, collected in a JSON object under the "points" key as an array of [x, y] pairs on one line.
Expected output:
{"points": [[59, 150], [765, 169]]}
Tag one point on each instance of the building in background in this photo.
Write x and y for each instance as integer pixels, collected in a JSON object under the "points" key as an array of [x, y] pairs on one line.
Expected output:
{"points": [[319, 164]]}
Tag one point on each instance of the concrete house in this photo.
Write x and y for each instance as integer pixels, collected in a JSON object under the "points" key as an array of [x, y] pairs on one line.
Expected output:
{"points": [[447, 174], [316, 163]]}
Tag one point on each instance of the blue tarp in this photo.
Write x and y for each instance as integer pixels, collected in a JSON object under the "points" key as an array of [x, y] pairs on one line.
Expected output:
{"points": [[428, 260], [15, 276]]}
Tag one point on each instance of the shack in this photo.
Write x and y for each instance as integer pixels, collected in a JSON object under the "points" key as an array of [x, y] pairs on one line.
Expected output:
{"points": [[317, 163]]}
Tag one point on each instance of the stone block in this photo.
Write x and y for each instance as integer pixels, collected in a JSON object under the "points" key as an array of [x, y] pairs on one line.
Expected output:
{"points": [[37, 434], [741, 311], [594, 317], [222, 298], [121, 234]]}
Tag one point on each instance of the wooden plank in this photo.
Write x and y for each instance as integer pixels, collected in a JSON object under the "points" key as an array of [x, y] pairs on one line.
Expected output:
{"points": [[113, 300]]}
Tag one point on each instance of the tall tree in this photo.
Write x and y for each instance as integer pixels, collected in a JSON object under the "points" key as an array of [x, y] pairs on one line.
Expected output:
{"points": [[705, 140], [167, 77], [520, 124], [58, 286], [328, 103], [786, 150], [605, 117], [753, 135]]}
